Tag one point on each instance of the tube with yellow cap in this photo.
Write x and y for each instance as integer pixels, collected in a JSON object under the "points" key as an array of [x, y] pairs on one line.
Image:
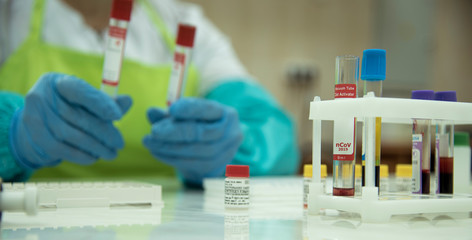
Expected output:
{"points": [[403, 173], [384, 181], [307, 177], [358, 180]]}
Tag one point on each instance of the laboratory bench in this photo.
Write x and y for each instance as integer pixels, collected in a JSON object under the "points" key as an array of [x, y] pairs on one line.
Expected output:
{"points": [[196, 214]]}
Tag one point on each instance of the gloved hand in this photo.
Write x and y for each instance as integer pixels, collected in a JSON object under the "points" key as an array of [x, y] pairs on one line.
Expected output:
{"points": [[198, 137], [66, 118]]}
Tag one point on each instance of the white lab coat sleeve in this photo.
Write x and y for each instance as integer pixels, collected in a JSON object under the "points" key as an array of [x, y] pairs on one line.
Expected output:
{"points": [[14, 26], [213, 53]]}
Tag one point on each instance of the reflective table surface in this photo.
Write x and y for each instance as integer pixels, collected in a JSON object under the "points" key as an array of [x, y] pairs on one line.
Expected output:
{"points": [[194, 214]]}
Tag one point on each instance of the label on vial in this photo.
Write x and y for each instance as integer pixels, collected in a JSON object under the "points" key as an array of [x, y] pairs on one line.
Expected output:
{"points": [[236, 193], [416, 163], [306, 191], [344, 139], [176, 78], [436, 159], [113, 55], [345, 91]]}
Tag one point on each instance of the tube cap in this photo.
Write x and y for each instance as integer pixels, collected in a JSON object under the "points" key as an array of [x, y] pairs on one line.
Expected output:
{"points": [[403, 170], [121, 9], [307, 170], [324, 171], [185, 35], [358, 171], [449, 96], [422, 94], [373, 65], [384, 170], [461, 139], [237, 171]]}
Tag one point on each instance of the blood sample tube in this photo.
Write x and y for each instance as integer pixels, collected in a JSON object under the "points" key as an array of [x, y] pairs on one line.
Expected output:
{"points": [[182, 55], [444, 148], [344, 135], [115, 45], [421, 150]]}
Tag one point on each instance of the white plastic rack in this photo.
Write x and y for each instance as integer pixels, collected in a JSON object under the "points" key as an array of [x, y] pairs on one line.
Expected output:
{"points": [[371, 206]]}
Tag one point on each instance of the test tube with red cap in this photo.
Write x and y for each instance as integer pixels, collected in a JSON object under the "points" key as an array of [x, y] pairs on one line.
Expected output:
{"points": [[115, 45], [182, 55], [344, 129], [237, 186]]}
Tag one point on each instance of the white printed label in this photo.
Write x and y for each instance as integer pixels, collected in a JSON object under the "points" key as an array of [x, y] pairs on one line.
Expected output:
{"points": [[236, 192], [306, 191], [344, 139], [176, 78], [416, 163], [113, 56], [436, 159]]}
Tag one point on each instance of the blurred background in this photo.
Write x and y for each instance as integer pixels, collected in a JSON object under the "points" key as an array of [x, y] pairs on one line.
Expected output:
{"points": [[290, 47]]}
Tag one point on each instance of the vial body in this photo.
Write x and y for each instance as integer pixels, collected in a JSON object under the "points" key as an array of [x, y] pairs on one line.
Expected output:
{"points": [[358, 179], [237, 192], [344, 134], [178, 75], [114, 51], [306, 190], [421, 156], [343, 178], [376, 88], [444, 157], [402, 183], [462, 166]]}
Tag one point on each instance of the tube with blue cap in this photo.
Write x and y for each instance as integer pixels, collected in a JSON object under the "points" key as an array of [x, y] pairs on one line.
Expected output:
{"points": [[373, 75]]}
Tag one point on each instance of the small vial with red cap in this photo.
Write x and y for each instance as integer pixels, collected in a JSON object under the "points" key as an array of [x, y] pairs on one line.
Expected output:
{"points": [[115, 45], [182, 55], [237, 187]]}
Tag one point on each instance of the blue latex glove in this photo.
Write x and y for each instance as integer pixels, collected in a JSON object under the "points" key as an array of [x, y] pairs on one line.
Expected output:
{"points": [[66, 118], [198, 137]]}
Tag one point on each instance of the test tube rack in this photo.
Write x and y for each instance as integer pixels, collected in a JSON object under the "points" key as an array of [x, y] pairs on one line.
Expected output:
{"points": [[371, 206]]}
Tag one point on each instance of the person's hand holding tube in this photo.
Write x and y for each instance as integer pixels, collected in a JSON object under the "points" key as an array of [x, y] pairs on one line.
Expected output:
{"points": [[197, 136], [66, 118]]}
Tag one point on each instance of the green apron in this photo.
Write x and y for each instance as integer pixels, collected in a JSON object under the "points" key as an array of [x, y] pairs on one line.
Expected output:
{"points": [[146, 84]]}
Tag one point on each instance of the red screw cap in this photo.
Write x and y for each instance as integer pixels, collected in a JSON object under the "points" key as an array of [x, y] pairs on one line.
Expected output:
{"points": [[121, 9], [237, 171], [185, 35]]}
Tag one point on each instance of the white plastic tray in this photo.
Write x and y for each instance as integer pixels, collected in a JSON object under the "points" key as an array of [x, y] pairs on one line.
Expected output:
{"points": [[391, 110]]}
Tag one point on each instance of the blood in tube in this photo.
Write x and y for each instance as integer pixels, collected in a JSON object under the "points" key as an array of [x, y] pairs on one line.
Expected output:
{"points": [[445, 147]]}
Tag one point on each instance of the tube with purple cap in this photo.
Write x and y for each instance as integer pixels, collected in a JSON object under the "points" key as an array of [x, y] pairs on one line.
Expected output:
{"points": [[421, 150]]}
